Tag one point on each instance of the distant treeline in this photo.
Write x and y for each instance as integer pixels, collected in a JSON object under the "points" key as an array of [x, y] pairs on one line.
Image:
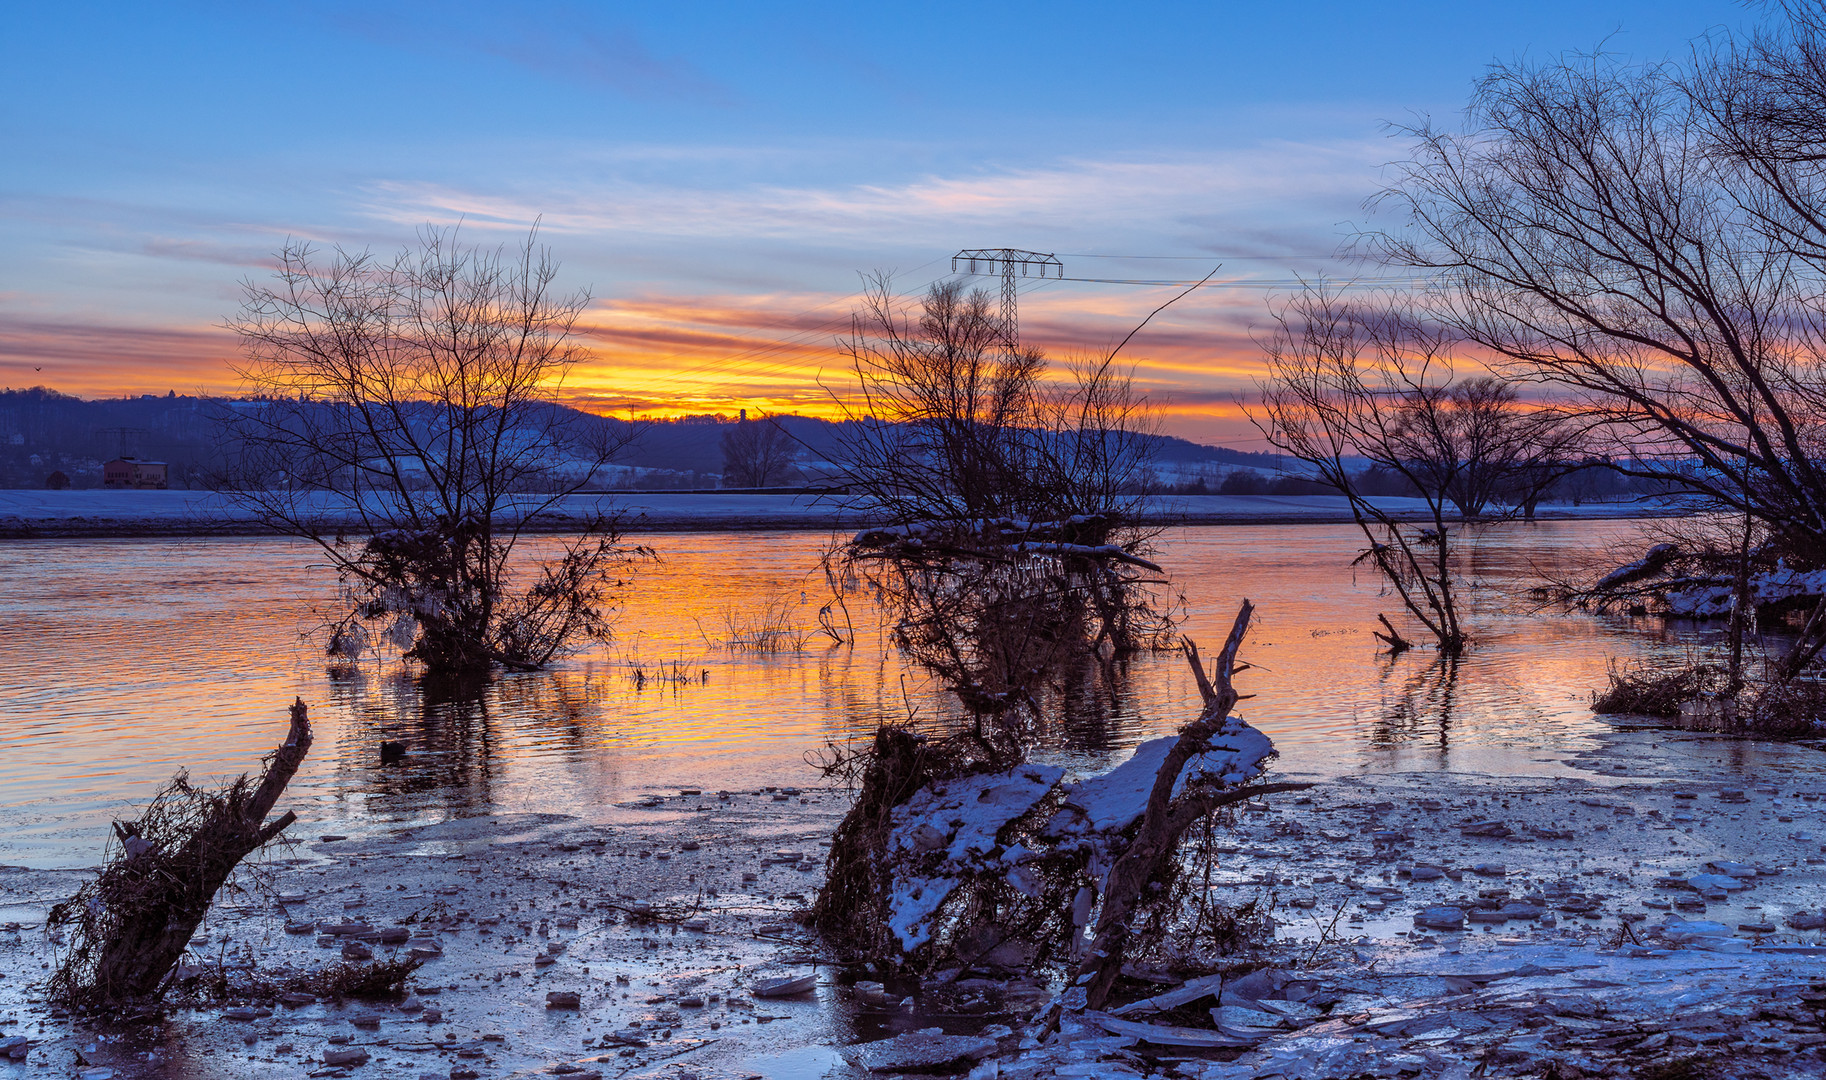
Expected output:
{"points": [[1594, 482]]}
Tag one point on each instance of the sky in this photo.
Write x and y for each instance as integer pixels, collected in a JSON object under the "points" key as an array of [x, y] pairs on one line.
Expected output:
{"points": [[720, 177]]}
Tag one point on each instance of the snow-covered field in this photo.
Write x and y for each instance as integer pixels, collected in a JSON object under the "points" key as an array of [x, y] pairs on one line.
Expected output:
{"points": [[25, 513]]}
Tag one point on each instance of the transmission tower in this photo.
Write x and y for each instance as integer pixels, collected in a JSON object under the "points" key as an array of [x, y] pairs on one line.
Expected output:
{"points": [[125, 434], [1008, 260]]}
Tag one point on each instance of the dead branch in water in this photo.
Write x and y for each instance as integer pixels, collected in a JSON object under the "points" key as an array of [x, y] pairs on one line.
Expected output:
{"points": [[131, 924], [1166, 819], [1393, 638]]}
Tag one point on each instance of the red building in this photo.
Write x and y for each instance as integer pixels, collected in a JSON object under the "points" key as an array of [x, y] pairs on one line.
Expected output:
{"points": [[126, 472]]}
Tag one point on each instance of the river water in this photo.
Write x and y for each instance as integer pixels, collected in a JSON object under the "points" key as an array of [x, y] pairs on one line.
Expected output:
{"points": [[125, 660]]}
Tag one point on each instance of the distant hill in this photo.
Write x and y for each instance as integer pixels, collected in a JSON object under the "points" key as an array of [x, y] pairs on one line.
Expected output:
{"points": [[694, 443], [42, 431]]}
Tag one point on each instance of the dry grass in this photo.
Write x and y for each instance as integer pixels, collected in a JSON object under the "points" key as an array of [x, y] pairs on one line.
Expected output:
{"points": [[1644, 689], [380, 980], [770, 629], [1793, 709], [666, 673]]}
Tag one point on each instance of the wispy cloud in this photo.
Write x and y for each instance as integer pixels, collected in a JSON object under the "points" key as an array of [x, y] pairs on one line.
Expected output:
{"points": [[1252, 195], [568, 44], [723, 294]]}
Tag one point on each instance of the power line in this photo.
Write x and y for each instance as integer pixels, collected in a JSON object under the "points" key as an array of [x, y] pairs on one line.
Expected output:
{"points": [[1254, 283], [765, 360], [1009, 259], [1192, 258], [752, 363]]}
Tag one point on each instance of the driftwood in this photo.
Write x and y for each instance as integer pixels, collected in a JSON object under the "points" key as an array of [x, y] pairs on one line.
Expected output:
{"points": [[132, 923], [1166, 820]]}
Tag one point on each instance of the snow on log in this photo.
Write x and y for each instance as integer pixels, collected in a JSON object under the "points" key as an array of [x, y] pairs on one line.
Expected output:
{"points": [[1653, 561], [1084, 551], [1700, 600], [912, 906], [1711, 598], [945, 831], [968, 812], [1116, 799]]}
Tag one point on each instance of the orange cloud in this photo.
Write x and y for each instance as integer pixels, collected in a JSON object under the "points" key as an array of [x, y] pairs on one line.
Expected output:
{"points": [[92, 359], [676, 355]]}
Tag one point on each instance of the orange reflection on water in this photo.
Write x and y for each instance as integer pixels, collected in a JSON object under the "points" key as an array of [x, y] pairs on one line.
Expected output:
{"points": [[129, 659]]}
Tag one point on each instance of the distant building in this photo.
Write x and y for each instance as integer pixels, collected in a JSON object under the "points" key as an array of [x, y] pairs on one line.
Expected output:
{"points": [[126, 472], [57, 481]]}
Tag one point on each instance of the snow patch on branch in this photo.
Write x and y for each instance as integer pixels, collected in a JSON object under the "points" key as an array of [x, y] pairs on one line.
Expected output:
{"points": [[1084, 551], [1652, 562], [1711, 598], [1116, 799]]}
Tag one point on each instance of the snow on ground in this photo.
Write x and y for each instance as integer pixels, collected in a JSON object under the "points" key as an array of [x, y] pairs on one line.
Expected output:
{"points": [[25, 513], [1598, 946]]}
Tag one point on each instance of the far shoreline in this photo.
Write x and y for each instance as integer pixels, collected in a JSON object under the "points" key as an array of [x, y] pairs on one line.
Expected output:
{"points": [[113, 514]]}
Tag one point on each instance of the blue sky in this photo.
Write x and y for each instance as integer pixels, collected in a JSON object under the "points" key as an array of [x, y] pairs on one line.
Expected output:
{"points": [[719, 174]]}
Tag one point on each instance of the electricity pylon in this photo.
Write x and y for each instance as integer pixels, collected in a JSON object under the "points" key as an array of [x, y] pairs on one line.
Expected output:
{"points": [[124, 433], [1008, 259]]}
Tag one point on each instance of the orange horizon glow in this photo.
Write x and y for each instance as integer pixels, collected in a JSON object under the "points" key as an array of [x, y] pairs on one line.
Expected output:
{"points": [[664, 357]]}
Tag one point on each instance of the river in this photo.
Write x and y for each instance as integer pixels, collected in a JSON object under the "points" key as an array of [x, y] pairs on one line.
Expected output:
{"points": [[129, 659]]}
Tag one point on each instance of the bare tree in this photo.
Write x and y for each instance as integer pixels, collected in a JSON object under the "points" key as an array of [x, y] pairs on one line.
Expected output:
{"points": [[1011, 541], [948, 425], [1371, 384], [757, 453], [1654, 240], [1590, 229], [939, 409], [1480, 445], [411, 396]]}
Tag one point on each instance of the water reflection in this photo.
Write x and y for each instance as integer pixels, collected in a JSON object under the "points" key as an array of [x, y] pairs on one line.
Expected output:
{"points": [[1419, 706], [128, 660]]}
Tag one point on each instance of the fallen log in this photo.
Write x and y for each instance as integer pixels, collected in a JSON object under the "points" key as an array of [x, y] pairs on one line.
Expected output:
{"points": [[131, 924], [1167, 818]]}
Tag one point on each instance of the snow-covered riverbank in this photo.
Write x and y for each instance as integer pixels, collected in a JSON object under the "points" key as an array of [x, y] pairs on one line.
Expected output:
{"points": [[26, 514], [1580, 937]]}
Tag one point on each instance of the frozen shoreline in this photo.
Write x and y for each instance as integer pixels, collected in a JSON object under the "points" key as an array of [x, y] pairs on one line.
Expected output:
{"points": [[1598, 848], [29, 514]]}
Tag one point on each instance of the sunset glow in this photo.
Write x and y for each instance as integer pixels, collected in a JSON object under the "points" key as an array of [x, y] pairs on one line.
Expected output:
{"points": [[721, 192]]}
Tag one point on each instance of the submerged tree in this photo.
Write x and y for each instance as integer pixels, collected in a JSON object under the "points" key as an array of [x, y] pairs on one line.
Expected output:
{"points": [[1012, 540], [1367, 387], [1012, 558], [1652, 239], [1350, 383], [413, 395]]}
